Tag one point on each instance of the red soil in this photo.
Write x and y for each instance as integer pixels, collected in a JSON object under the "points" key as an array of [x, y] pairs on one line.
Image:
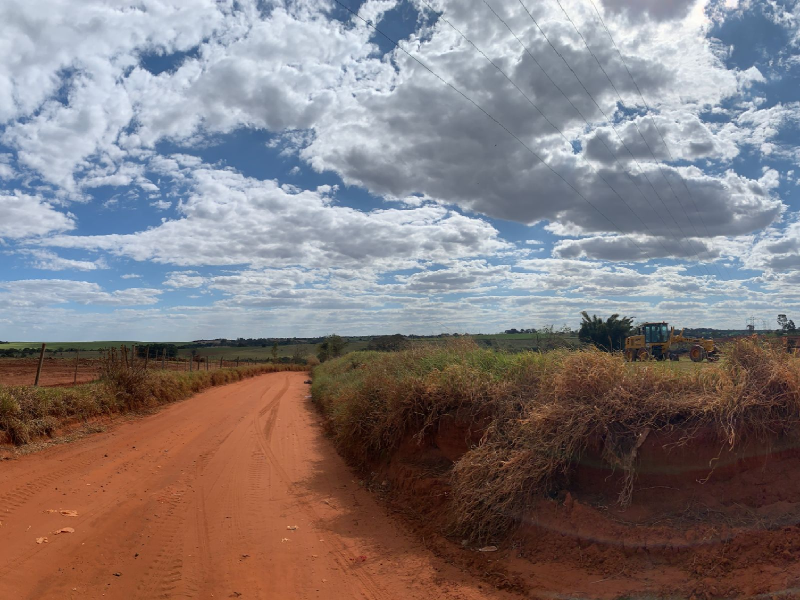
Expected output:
{"points": [[704, 522], [195, 501], [55, 371], [234, 493], [61, 371]]}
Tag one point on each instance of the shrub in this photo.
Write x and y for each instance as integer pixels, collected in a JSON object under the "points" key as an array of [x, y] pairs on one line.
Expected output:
{"points": [[540, 412]]}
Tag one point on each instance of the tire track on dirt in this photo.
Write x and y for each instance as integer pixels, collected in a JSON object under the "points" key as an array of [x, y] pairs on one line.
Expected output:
{"points": [[194, 501], [22, 494], [163, 573], [266, 429]]}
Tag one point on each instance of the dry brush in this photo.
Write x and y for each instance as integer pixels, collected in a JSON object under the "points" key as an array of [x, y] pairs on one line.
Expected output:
{"points": [[538, 413], [27, 413]]}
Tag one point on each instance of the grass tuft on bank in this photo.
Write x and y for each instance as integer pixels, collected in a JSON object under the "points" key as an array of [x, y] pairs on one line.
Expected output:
{"points": [[539, 412], [27, 413]]}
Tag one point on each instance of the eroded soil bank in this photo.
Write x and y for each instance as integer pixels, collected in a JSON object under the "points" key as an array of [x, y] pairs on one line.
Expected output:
{"points": [[704, 521]]}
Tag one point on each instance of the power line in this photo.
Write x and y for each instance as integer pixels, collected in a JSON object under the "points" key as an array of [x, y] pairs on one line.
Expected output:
{"points": [[636, 126], [488, 115], [630, 177], [652, 120], [533, 104], [608, 120]]}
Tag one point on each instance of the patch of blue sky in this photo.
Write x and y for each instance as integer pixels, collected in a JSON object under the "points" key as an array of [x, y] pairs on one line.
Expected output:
{"points": [[157, 63], [392, 277], [519, 233], [753, 37], [399, 24], [116, 210]]}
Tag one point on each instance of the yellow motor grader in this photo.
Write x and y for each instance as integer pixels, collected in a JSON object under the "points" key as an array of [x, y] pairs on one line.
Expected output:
{"points": [[658, 341]]}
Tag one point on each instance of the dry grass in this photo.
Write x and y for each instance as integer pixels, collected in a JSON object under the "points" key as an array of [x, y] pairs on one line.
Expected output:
{"points": [[27, 413], [540, 412]]}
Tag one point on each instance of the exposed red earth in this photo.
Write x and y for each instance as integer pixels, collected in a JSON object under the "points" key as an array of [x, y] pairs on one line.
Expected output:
{"points": [[704, 522], [61, 371], [234, 493], [237, 492], [55, 371]]}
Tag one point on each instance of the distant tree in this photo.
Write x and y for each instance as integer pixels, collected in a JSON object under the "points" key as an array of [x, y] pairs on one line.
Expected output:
{"points": [[388, 343], [331, 347], [297, 355], [607, 335], [275, 351], [512, 331], [786, 324]]}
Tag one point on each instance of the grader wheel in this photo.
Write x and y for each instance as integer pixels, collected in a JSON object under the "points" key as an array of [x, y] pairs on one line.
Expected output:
{"points": [[643, 354], [698, 354], [629, 356]]}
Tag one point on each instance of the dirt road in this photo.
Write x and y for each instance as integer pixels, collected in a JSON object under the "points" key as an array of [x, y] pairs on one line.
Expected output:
{"points": [[200, 501]]}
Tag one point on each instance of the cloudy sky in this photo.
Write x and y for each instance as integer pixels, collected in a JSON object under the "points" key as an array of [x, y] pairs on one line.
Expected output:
{"points": [[177, 169]]}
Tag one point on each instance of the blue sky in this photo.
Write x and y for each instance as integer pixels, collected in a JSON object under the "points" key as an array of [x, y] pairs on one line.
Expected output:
{"points": [[184, 170]]}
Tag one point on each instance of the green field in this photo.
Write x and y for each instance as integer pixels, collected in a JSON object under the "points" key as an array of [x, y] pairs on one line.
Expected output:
{"points": [[93, 349], [77, 345], [261, 353], [515, 342], [518, 342]]}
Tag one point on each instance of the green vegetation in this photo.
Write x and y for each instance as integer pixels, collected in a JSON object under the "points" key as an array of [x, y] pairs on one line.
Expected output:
{"points": [[331, 347], [537, 413], [786, 324], [88, 346], [608, 335], [27, 412], [182, 349], [388, 343], [262, 349]]}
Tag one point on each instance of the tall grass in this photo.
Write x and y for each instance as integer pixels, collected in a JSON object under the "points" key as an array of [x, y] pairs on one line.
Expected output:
{"points": [[27, 413], [539, 412]]}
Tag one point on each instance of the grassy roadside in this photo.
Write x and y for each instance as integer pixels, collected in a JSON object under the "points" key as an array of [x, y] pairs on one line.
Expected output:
{"points": [[27, 412], [539, 412]]}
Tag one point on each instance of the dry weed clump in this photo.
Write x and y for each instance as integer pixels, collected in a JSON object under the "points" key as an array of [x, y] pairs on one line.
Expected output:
{"points": [[27, 412], [540, 412]]}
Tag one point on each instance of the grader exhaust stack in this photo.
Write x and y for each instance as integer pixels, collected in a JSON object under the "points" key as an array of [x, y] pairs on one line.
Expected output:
{"points": [[658, 341]]}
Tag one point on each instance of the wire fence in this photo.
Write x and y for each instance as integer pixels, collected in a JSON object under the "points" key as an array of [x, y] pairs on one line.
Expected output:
{"points": [[78, 367]]}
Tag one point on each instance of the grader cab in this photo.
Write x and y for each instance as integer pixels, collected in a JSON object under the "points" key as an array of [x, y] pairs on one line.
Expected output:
{"points": [[658, 341]]}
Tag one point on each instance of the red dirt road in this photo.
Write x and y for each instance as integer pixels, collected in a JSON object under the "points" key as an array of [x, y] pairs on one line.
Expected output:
{"points": [[195, 502]]}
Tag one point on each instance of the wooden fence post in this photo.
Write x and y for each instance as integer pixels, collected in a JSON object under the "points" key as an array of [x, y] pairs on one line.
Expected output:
{"points": [[220, 362], [207, 362], [146, 356], [77, 357], [164, 359], [39, 370], [237, 362]]}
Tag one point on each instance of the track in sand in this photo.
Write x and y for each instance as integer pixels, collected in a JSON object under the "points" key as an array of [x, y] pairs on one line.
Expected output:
{"points": [[197, 500]]}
